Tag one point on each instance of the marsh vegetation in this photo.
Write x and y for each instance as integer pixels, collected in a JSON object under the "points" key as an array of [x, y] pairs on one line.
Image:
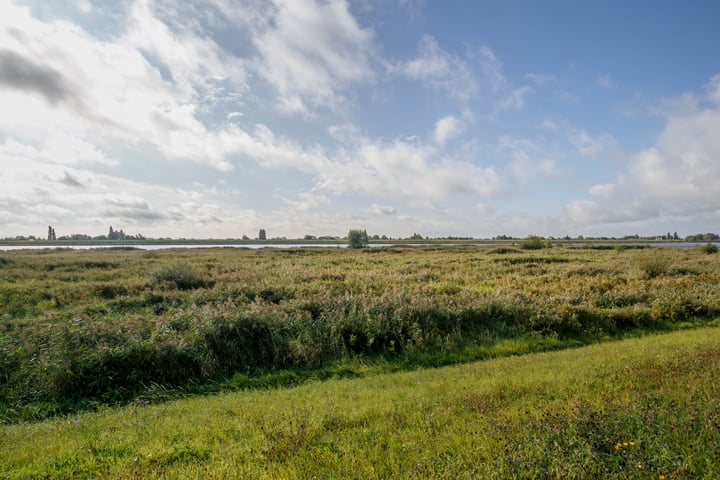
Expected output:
{"points": [[80, 329]]}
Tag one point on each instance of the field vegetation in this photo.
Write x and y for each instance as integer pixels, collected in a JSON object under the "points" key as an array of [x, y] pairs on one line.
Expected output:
{"points": [[83, 329], [640, 408]]}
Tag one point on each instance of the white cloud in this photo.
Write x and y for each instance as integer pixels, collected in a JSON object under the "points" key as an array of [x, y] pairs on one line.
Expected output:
{"points": [[82, 87], [514, 101], [676, 179], [483, 209], [604, 190], [83, 5], [344, 133], [592, 146], [310, 51], [382, 209], [39, 192], [713, 88], [307, 201], [490, 68], [195, 62], [71, 150], [444, 71], [527, 158], [448, 127], [548, 124], [399, 169]]}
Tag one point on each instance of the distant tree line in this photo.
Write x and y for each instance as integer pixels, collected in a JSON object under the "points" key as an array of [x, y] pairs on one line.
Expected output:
{"points": [[262, 236], [112, 235], [703, 237]]}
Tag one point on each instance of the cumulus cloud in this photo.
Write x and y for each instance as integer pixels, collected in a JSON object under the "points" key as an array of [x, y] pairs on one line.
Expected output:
{"points": [[402, 170], [310, 50], [114, 86], [448, 127], [676, 178], [193, 58]]}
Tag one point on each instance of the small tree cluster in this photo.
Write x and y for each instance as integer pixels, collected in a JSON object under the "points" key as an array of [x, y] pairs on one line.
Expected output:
{"points": [[533, 242], [120, 235], [51, 233], [358, 239]]}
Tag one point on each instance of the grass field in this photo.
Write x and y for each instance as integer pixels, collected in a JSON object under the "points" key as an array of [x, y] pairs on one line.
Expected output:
{"points": [[83, 329], [641, 408], [167, 364]]}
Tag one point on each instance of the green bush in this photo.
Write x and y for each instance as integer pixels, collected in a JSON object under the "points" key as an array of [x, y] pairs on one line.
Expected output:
{"points": [[709, 248], [533, 242], [183, 275]]}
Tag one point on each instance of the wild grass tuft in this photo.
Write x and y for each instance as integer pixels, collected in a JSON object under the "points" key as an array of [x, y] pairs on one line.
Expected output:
{"points": [[180, 274]]}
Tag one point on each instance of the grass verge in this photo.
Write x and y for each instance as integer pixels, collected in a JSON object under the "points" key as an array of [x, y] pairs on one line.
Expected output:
{"points": [[638, 408]]}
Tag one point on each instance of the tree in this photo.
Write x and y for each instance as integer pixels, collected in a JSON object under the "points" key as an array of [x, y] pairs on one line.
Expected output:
{"points": [[357, 239], [262, 235], [533, 242]]}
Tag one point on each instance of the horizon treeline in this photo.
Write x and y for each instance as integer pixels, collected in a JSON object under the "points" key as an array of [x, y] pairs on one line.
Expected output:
{"points": [[121, 235]]}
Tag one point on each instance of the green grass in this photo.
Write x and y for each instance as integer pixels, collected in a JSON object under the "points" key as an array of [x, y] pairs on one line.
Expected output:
{"points": [[83, 329], [633, 409]]}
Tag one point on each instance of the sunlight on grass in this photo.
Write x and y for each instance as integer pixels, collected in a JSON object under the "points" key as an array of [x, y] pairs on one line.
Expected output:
{"points": [[638, 408]]}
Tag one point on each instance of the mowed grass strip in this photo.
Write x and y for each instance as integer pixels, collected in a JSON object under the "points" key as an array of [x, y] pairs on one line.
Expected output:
{"points": [[638, 408]]}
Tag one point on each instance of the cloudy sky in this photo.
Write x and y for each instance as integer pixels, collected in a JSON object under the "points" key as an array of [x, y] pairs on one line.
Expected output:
{"points": [[215, 118]]}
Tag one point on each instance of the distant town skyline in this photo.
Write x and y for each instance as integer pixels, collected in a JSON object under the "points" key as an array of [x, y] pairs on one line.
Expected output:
{"points": [[217, 118]]}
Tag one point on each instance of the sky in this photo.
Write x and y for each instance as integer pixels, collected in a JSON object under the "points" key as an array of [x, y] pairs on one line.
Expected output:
{"points": [[216, 118]]}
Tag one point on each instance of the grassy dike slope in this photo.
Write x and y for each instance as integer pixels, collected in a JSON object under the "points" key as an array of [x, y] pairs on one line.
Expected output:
{"points": [[640, 408]]}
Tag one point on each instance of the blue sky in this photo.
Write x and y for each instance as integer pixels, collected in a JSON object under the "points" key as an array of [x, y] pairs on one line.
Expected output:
{"points": [[215, 118]]}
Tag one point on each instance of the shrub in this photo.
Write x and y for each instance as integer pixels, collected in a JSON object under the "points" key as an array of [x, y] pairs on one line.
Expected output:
{"points": [[183, 275], [533, 242], [654, 265], [709, 248]]}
